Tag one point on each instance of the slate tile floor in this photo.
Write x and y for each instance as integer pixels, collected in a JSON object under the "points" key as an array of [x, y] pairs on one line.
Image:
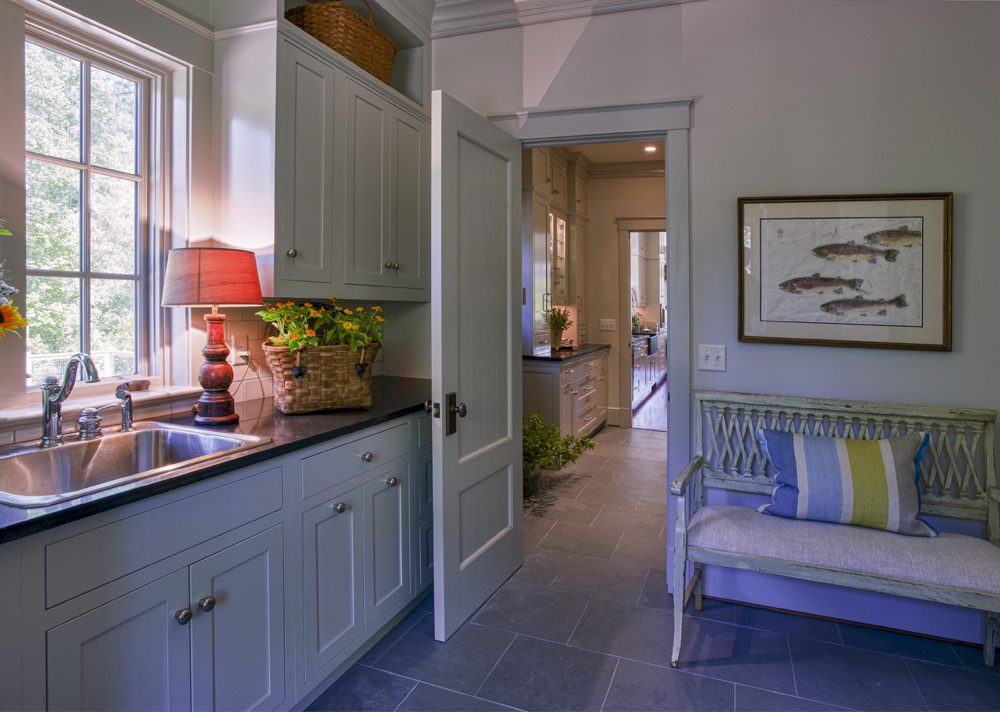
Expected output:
{"points": [[586, 624]]}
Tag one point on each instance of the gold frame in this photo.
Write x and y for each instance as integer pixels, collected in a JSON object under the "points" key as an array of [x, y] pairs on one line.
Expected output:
{"points": [[944, 340]]}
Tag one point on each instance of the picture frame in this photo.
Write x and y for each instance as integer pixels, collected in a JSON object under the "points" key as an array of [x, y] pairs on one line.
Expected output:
{"points": [[870, 271]]}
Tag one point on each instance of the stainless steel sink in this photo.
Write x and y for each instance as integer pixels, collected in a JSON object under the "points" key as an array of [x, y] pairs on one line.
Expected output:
{"points": [[33, 477]]}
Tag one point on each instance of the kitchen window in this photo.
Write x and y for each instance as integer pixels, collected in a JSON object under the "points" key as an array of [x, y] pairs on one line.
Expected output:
{"points": [[87, 185]]}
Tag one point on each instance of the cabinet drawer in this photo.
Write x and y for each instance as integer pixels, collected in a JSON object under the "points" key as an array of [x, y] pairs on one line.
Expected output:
{"points": [[585, 402], [83, 562], [593, 365], [338, 464], [586, 421], [568, 375]]}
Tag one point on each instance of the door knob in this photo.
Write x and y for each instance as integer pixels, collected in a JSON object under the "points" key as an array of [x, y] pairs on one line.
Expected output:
{"points": [[207, 604], [183, 616], [292, 252], [461, 409]]}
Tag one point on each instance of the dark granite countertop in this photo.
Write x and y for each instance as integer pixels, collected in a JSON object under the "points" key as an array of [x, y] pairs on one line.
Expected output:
{"points": [[570, 354], [391, 398]]}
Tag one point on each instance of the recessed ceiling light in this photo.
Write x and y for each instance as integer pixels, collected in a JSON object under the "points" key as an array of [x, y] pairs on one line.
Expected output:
{"points": [[650, 149]]}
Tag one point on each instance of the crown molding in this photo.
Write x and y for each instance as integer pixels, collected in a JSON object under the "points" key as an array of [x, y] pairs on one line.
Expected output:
{"points": [[246, 29], [176, 17], [463, 17]]}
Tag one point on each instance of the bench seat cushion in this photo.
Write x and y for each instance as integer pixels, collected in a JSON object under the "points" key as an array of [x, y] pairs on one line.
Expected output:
{"points": [[949, 560]]}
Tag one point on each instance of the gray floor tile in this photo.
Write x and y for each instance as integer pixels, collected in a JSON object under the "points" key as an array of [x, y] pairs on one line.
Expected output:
{"points": [[789, 623], [392, 637], [637, 686], [626, 631], [654, 592], [750, 699], [746, 656], [460, 664], [573, 511], [533, 529], [629, 520], [634, 451], [972, 658], [642, 550], [582, 540], [539, 675], [908, 646], [364, 688], [599, 578], [851, 677], [949, 688], [604, 493], [540, 612], [427, 698], [540, 566]]}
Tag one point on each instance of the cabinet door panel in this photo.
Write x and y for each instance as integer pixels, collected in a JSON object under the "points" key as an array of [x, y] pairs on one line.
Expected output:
{"points": [[306, 133], [410, 200], [387, 542], [559, 185], [367, 240], [129, 654], [239, 644], [425, 556], [425, 486], [580, 191], [540, 255], [332, 579]]}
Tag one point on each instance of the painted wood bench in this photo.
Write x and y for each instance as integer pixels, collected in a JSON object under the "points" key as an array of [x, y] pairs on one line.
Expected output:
{"points": [[959, 481]]}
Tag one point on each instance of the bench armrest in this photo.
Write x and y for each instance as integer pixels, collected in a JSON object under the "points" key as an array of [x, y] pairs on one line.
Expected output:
{"points": [[679, 486], [994, 494]]}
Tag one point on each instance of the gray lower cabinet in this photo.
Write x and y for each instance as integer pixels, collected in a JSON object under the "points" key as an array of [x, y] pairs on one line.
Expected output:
{"points": [[209, 636], [387, 543], [571, 393], [333, 578]]}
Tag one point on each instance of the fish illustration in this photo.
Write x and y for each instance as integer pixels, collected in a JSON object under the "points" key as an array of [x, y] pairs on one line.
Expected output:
{"points": [[896, 237], [863, 307], [853, 252], [820, 285]]}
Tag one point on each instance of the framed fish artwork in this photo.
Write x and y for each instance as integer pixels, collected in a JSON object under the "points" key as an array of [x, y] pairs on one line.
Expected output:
{"points": [[847, 270]]}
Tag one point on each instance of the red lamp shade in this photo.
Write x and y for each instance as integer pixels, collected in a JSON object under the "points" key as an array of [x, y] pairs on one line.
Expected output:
{"points": [[211, 276]]}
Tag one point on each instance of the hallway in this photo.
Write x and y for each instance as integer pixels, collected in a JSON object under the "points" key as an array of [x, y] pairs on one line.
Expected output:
{"points": [[586, 624], [652, 415]]}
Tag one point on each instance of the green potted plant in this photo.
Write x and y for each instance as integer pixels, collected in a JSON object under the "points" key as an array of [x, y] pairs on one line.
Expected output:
{"points": [[559, 321], [545, 448]]}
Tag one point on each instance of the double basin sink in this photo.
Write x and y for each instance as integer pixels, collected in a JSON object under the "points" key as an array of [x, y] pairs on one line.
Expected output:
{"points": [[34, 477]]}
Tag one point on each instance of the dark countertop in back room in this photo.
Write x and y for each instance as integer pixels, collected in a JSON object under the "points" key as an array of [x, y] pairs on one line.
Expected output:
{"points": [[391, 398], [569, 354]]}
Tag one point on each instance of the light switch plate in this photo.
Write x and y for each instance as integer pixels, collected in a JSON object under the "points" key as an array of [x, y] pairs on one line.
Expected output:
{"points": [[711, 357], [607, 324]]}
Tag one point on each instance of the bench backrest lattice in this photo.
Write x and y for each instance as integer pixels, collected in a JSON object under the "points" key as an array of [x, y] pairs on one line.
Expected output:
{"points": [[958, 470]]}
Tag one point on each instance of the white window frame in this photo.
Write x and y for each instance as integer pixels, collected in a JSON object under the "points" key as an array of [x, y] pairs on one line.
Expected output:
{"points": [[153, 169]]}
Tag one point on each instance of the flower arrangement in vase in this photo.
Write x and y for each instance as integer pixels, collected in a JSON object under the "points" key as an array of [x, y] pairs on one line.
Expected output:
{"points": [[558, 320]]}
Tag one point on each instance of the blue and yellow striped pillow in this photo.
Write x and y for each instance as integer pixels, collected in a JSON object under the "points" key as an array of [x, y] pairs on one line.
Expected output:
{"points": [[867, 483]]}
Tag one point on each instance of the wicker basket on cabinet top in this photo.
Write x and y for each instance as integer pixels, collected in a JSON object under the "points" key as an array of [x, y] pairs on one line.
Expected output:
{"points": [[348, 33], [321, 377]]}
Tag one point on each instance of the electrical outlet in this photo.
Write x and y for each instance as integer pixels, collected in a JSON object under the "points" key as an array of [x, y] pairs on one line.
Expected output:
{"points": [[711, 357], [607, 324], [239, 354]]}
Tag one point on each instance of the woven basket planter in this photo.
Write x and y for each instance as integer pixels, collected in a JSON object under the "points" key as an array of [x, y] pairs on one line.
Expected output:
{"points": [[321, 377], [346, 32]]}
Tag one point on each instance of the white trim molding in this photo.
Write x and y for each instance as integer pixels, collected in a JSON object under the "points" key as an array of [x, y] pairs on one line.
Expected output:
{"points": [[463, 17], [176, 17]]}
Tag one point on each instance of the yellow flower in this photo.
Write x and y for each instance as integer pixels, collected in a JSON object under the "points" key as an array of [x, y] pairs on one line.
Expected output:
{"points": [[310, 332], [307, 304], [278, 340], [10, 319], [293, 335], [313, 312], [348, 312], [350, 326], [360, 309], [380, 320], [376, 309]]}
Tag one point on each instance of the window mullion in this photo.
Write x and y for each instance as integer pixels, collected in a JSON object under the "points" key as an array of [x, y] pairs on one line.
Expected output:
{"points": [[85, 345]]}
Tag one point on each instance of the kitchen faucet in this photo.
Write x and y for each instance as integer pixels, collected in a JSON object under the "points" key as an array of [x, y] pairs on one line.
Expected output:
{"points": [[53, 394]]}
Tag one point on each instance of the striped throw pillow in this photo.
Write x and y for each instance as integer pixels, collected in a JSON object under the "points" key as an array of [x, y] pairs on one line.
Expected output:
{"points": [[867, 483]]}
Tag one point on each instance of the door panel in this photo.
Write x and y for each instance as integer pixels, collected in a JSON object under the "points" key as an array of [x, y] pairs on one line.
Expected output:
{"points": [[240, 641], [476, 286], [129, 654], [333, 578], [368, 237], [306, 155]]}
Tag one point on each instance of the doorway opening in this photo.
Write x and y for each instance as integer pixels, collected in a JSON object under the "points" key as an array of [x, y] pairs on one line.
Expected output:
{"points": [[648, 343]]}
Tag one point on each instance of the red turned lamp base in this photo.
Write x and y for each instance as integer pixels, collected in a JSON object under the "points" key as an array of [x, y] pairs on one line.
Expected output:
{"points": [[216, 405]]}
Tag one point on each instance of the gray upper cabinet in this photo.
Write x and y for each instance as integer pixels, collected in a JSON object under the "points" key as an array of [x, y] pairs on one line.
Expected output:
{"points": [[353, 196], [307, 185]]}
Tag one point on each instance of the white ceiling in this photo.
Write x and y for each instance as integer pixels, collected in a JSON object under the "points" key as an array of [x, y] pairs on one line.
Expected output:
{"points": [[622, 152]]}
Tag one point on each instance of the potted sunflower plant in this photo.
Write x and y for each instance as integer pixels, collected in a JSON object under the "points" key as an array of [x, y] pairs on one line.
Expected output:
{"points": [[10, 318], [545, 448], [321, 354]]}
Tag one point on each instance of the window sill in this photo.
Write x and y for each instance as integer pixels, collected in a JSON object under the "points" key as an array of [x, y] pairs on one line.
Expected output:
{"points": [[24, 423]]}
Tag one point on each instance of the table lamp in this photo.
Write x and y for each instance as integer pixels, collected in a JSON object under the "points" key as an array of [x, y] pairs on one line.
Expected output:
{"points": [[213, 277]]}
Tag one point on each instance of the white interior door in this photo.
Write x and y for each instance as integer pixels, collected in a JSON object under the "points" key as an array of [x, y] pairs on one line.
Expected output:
{"points": [[476, 304]]}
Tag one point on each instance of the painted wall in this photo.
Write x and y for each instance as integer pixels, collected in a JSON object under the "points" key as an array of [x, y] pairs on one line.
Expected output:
{"points": [[794, 98], [611, 199]]}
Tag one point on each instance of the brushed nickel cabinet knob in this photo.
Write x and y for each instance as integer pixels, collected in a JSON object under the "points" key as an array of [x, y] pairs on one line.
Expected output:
{"points": [[392, 481], [207, 604], [292, 252], [340, 508], [183, 616], [368, 456]]}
